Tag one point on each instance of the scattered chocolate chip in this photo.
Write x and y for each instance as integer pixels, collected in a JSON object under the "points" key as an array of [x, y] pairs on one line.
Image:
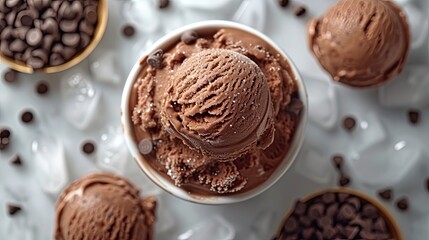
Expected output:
{"points": [[88, 147], [402, 204], [163, 3], [145, 146], [349, 123], [414, 116], [12, 209], [128, 30], [4, 133], [10, 76], [386, 194], [338, 161], [189, 37], [16, 160], [42, 87], [176, 106], [283, 3], [27, 116], [344, 180], [155, 59], [300, 11]]}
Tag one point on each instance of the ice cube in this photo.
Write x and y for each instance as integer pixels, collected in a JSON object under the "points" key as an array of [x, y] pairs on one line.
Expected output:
{"points": [[252, 13], [418, 22], [322, 99], [384, 164], [263, 225], [409, 89], [204, 4], [142, 14], [113, 153], [369, 132], [215, 228], [312, 164], [79, 99], [104, 67], [50, 164]]}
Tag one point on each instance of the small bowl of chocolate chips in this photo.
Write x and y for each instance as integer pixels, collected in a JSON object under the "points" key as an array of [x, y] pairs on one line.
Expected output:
{"points": [[49, 35], [338, 213]]}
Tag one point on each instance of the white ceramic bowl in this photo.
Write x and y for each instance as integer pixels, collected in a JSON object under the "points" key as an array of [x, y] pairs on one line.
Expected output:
{"points": [[164, 183]]}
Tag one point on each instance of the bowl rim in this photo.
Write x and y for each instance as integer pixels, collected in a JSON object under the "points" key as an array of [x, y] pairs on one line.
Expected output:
{"points": [[169, 187], [391, 222], [103, 12]]}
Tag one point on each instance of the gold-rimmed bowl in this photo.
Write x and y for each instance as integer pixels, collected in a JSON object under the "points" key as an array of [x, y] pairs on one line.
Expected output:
{"points": [[387, 216], [102, 12]]}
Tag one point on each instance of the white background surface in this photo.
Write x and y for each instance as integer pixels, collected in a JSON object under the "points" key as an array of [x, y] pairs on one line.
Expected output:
{"points": [[385, 150]]}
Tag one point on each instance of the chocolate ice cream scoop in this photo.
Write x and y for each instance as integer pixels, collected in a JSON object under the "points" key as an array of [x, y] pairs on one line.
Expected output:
{"points": [[104, 206], [361, 43], [219, 103]]}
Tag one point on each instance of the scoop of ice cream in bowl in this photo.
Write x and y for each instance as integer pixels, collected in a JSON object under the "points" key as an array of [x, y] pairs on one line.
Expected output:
{"points": [[361, 43], [214, 112]]}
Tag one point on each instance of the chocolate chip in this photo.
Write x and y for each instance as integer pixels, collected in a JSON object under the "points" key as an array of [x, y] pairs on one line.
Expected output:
{"points": [[367, 235], [4, 133], [369, 211], [344, 180], [346, 213], [355, 202], [71, 39], [308, 233], [386, 193], [16, 160], [380, 225], [342, 197], [402, 204], [328, 198], [88, 147], [332, 210], [17, 45], [305, 221], [35, 62], [155, 59], [349, 123], [283, 3], [10, 76], [414, 116], [69, 26], [163, 3], [338, 161], [145, 146], [351, 232], [316, 210], [362, 223], [300, 208], [42, 87], [300, 11], [34, 37], [12, 209], [325, 221], [90, 14], [329, 232], [27, 116], [128, 30], [189, 37], [291, 225]]}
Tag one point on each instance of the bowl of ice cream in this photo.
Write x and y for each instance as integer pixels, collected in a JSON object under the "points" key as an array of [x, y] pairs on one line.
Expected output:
{"points": [[50, 36], [104, 206], [361, 43], [338, 213], [214, 112]]}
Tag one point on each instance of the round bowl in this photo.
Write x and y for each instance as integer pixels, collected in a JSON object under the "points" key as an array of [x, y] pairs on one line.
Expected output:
{"points": [[160, 180], [390, 221], [98, 34]]}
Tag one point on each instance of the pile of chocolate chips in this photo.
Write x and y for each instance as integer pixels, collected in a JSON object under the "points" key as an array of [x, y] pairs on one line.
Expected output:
{"points": [[43, 33], [335, 216]]}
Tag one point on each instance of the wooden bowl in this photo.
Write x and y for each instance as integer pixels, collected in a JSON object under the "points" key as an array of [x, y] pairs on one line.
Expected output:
{"points": [[98, 34]]}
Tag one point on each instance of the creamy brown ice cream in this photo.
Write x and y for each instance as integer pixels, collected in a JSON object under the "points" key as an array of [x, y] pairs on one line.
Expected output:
{"points": [[104, 206], [219, 104], [220, 113], [361, 43]]}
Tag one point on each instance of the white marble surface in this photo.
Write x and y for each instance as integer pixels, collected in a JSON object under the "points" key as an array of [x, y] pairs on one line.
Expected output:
{"points": [[64, 119]]}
